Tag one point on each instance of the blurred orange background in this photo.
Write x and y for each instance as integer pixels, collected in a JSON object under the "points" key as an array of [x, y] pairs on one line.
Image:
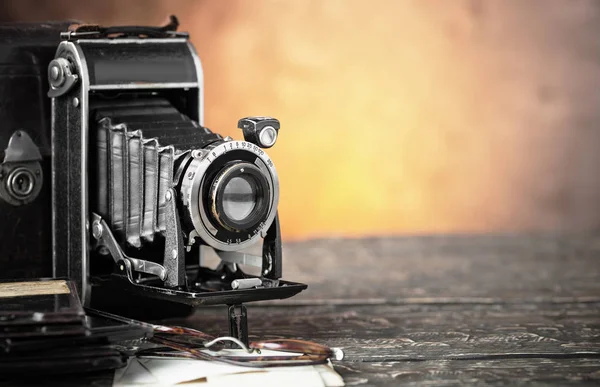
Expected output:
{"points": [[401, 116]]}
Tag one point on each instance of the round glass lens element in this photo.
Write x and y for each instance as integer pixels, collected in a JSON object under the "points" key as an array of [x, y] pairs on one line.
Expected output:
{"points": [[239, 197]]}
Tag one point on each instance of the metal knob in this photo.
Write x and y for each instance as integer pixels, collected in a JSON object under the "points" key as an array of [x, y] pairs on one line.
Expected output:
{"points": [[61, 77]]}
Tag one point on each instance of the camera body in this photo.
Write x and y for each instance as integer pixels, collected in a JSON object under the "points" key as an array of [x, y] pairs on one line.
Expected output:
{"points": [[109, 177]]}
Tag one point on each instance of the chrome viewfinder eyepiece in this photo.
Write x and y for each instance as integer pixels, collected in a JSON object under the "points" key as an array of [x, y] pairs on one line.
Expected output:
{"points": [[262, 131]]}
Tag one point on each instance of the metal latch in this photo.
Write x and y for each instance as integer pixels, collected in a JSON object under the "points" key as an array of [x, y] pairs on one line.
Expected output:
{"points": [[21, 176]]}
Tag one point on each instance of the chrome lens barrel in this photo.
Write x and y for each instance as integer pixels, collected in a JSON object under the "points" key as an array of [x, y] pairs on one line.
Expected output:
{"points": [[230, 193]]}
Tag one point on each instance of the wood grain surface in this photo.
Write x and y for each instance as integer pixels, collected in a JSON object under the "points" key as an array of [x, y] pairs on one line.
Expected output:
{"points": [[504, 268], [442, 310]]}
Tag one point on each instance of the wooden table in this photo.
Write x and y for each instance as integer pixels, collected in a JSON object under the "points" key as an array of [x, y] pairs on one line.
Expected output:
{"points": [[449, 310], [443, 310]]}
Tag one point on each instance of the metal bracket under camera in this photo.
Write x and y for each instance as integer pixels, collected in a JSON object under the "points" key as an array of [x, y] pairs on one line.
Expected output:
{"points": [[270, 262]]}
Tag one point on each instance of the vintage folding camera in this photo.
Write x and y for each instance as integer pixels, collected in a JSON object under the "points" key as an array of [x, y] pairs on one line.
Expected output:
{"points": [[108, 176]]}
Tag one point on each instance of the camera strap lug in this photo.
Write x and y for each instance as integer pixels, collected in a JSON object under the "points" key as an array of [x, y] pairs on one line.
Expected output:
{"points": [[101, 232], [61, 77]]}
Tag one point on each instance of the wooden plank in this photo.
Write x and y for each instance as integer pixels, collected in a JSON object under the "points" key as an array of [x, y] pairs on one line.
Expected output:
{"points": [[431, 269], [440, 344], [510, 372], [442, 310], [427, 332]]}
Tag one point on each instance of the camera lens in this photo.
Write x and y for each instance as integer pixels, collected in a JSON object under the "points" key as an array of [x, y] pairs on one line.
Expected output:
{"points": [[229, 192], [239, 197]]}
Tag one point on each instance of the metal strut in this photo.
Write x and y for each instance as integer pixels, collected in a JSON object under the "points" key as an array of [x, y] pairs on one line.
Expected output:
{"points": [[238, 323]]}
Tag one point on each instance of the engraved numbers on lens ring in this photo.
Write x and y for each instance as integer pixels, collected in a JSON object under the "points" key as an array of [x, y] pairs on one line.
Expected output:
{"points": [[231, 145]]}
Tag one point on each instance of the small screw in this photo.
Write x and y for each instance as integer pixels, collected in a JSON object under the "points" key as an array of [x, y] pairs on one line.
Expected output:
{"points": [[75, 101], [18, 133], [174, 253], [168, 196], [121, 267], [97, 230], [37, 172], [191, 175]]}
